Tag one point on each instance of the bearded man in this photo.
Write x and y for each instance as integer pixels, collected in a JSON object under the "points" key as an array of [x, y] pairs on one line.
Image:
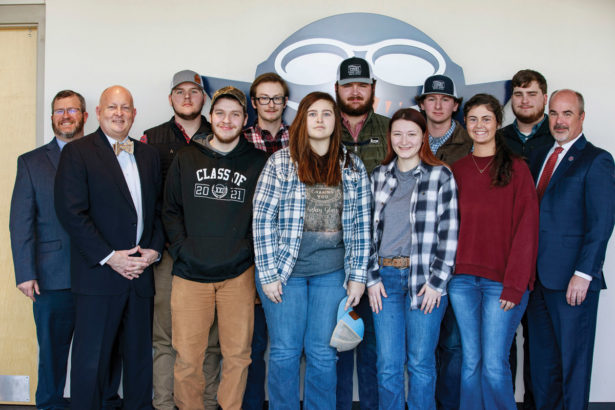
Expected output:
{"points": [[364, 131], [530, 129], [187, 98]]}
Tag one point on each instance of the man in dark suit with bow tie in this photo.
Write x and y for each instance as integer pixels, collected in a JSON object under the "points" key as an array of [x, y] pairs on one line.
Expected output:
{"points": [[576, 189], [107, 198]]}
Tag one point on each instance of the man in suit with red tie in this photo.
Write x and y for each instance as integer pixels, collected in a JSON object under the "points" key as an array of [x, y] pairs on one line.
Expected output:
{"points": [[107, 199], [576, 188]]}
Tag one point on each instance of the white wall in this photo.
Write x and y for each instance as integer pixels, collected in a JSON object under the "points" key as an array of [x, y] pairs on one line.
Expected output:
{"points": [[140, 44]]}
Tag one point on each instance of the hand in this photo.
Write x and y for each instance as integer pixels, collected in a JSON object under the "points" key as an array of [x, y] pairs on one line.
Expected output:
{"points": [[150, 255], [273, 291], [432, 298], [354, 290], [29, 288], [128, 266], [506, 305], [375, 292], [577, 290]]}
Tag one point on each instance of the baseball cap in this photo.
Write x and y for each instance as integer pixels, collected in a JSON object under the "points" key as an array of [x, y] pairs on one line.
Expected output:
{"points": [[439, 84], [354, 70], [186, 76], [348, 332], [230, 91]]}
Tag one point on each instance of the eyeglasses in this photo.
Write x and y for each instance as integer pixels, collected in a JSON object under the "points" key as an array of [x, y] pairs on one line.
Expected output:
{"points": [[277, 100], [69, 111]]}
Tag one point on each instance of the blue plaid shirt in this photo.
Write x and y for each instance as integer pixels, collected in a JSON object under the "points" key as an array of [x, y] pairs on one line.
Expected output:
{"points": [[279, 208], [434, 223], [436, 143]]}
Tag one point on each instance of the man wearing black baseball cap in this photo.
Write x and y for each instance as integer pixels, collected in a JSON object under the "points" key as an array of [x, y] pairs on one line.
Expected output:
{"points": [[364, 131], [448, 140]]}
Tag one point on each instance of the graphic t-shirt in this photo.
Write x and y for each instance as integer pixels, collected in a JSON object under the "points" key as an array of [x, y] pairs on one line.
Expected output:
{"points": [[322, 244]]}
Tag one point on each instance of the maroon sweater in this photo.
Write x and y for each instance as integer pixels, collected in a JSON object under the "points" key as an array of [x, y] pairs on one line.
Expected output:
{"points": [[498, 232]]}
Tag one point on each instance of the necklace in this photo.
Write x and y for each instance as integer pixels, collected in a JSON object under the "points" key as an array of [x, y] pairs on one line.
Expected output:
{"points": [[485, 167]]}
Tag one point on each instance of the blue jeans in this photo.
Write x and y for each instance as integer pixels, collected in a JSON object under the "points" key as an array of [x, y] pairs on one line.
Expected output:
{"points": [[406, 337], [367, 374], [448, 362], [303, 321], [486, 334], [254, 396], [54, 315]]}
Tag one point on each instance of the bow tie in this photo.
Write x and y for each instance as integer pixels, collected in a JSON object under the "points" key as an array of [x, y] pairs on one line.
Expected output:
{"points": [[127, 146]]}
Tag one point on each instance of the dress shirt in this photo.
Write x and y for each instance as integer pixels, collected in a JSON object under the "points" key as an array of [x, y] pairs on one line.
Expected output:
{"points": [[561, 156], [61, 143], [130, 170]]}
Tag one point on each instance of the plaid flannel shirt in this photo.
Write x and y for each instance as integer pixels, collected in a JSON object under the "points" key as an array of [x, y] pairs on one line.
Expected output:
{"points": [[263, 140], [279, 208], [434, 223]]}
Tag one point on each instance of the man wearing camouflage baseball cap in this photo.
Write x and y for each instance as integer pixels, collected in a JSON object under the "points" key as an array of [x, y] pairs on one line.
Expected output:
{"points": [[207, 215]]}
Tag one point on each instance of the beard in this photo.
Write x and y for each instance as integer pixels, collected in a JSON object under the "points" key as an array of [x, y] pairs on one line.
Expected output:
{"points": [[355, 111], [530, 117], [190, 115], [68, 135]]}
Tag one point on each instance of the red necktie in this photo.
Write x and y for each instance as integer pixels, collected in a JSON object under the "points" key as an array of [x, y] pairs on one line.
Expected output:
{"points": [[547, 172]]}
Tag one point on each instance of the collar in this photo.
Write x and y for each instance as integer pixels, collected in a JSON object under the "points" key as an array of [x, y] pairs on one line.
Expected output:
{"points": [[535, 129], [113, 141], [60, 143], [567, 145]]}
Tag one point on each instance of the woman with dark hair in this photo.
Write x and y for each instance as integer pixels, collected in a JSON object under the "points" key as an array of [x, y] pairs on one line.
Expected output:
{"points": [[311, 240], [412, 257], [496, 256]]}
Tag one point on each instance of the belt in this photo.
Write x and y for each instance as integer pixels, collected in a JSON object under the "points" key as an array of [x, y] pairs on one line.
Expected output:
{"points": [[401, 262]]}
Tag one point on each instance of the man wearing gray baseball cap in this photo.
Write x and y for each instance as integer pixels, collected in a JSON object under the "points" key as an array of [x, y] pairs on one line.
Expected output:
{"points": [[186, 97]]}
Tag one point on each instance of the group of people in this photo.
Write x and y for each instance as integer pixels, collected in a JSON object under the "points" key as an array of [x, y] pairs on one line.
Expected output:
{"points": [[208, 241]]}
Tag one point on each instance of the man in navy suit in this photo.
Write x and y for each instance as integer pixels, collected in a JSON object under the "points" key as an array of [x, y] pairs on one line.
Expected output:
{"points": [[107, 198], [41, 249], [576, 188]]}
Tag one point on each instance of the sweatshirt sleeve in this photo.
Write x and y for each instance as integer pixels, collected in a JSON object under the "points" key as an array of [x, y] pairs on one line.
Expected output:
{"points": [[521, 266], [173, 209]]}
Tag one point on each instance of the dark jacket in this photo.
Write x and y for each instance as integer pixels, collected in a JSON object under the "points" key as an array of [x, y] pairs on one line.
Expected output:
{"points": [[41, 247], [95, 208], [456, 147], [371, 146], [540, 139], [167, 138], [207, 210]]}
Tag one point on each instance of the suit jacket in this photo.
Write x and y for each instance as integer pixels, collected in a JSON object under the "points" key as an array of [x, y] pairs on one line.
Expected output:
{"points": [[576, 215], [40, 245], [94, 205]]}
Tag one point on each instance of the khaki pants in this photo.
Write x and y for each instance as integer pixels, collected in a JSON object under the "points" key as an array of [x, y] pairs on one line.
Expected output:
{"points": [[164, 354], [194, 306]]}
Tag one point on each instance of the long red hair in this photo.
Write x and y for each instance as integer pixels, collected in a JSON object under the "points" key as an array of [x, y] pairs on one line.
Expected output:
{"points": [[312, 168], [425, 154]]}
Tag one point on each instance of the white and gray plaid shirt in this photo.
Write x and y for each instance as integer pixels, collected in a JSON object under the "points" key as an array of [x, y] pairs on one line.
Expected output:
{"points": [[279, 209], [434, 222]]}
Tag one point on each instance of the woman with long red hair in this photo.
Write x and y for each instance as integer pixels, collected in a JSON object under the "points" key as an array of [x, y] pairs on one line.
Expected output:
{"points": [[311, 241], [414, 241]]}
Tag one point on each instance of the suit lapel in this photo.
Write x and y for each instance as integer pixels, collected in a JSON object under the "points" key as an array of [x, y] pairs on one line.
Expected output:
{"points": [[144, 172], [539, 159], [53, 153], [572, 155], [105, 152]]}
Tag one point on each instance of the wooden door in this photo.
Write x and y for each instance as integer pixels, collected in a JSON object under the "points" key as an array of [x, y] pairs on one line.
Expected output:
{"points": [[18, 345]]}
